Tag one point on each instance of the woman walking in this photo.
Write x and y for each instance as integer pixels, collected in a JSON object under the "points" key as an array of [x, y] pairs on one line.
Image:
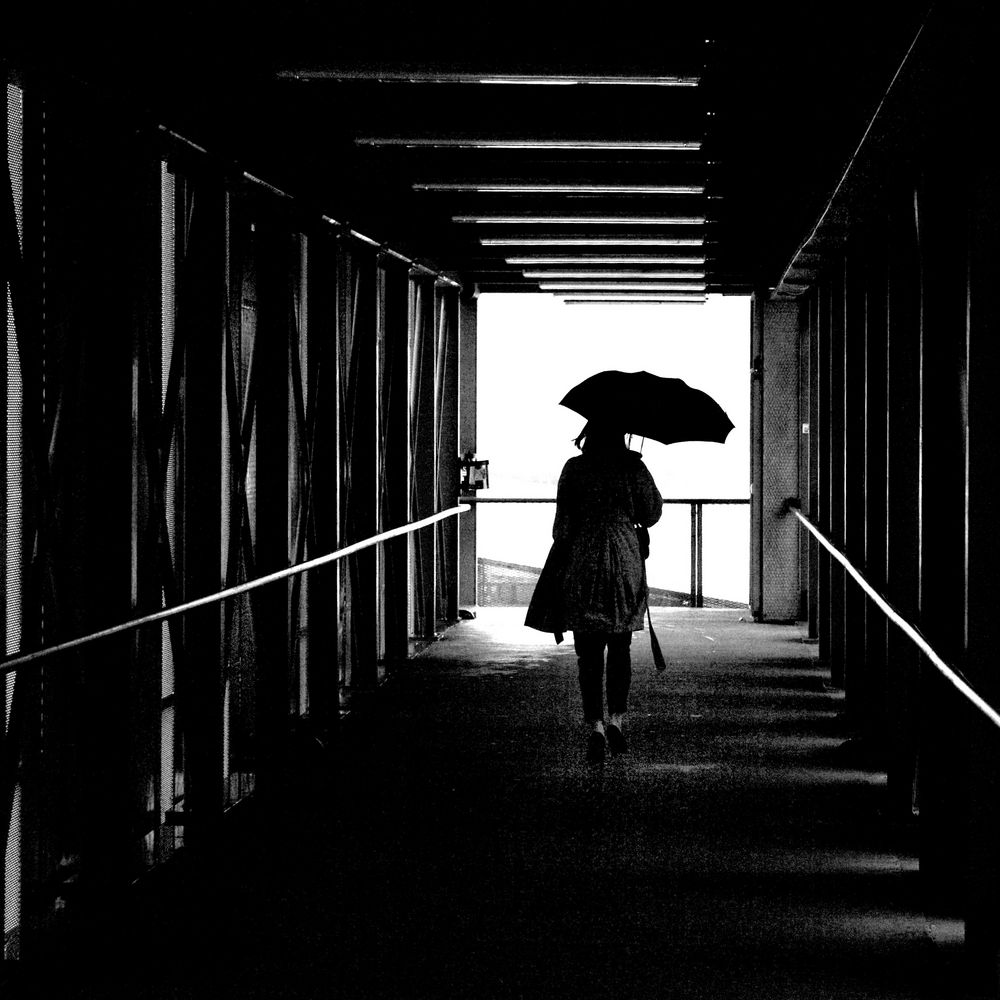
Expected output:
{"points": [[594, 581]]}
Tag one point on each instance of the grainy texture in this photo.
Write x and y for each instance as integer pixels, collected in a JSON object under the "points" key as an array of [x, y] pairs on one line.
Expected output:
{"points": [[455, 844], [599, 582]]}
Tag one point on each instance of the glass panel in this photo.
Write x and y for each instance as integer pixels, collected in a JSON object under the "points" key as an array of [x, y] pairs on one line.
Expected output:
{"points": [[14, 404], [14, 486], [13, 554], [12, 880], [166, 840]]}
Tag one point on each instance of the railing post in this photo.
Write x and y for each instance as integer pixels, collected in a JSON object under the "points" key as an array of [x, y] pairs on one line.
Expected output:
{"points": [[697, 596], [701, 552]]}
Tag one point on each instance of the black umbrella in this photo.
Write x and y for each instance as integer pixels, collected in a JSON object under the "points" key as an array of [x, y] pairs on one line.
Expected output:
{"points": [[664, 409]]}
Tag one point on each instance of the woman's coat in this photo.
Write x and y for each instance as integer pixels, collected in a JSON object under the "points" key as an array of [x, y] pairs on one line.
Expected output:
{"points": [[594, 578]]}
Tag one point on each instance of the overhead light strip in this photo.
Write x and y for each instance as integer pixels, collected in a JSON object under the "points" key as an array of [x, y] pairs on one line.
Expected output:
{"points": [[583, 220], [536, 260], [598, 275], [591, 241], [645, 299], [625, 286], [569, 81], [526, 188], [517, 79], [581, 144], [632, 302]]}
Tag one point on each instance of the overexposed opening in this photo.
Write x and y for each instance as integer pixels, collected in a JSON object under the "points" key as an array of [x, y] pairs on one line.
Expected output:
{"points": [[531, 350]]}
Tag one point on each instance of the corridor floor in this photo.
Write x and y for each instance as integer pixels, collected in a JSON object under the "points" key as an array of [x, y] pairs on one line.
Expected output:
{"points": [[462, 848]]}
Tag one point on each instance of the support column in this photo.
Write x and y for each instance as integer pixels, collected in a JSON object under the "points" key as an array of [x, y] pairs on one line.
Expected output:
{"points": [[757, 457], [359, 448], [982, 911], [200, 326], [857, 680], [395, 429], [779, 470], [804, 455], [812, 308], [902, 491], [423, 456], [838, 419], [447, 364], [874, 706], [467, 443], [272, 346], [943, 286], [325, 532], [823, 496]]}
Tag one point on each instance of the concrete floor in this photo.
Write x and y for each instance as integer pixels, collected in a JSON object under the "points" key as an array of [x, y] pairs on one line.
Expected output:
{"points": [[461, 848]]}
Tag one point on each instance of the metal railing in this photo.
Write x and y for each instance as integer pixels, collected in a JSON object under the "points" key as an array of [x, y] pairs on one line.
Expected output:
{"points": [[949, 673], [11, 663], [697, 505]]}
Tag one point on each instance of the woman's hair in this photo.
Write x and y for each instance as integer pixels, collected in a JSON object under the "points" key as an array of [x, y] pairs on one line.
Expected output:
{"points": [[600, 436]]}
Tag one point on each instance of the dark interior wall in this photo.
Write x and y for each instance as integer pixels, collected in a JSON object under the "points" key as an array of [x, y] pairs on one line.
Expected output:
{"points": [[897, 312], [204, 382]]}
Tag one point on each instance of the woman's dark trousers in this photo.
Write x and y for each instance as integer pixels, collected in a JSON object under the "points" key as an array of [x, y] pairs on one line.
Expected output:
{"points": [[590, 648]]}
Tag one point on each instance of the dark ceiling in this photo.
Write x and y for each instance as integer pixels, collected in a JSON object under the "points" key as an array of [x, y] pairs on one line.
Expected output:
{"points": [[370, 112]]}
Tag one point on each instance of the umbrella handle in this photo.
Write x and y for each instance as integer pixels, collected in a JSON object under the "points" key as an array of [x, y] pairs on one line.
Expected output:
{"points": [[643, 445]]}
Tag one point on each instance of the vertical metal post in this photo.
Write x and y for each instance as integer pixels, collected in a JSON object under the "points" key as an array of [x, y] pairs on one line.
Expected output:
{"points": [[814, 463], [804, 447], [902, 489], [943, 367], [982, 913], [324, 664], [201, 312], [396, 485], [700, 549], [823, 491], [838, 453], [361, 439], [857, 681], [875, 515], [447, 418], [693, 597], [423, 435], [272, 346], [340, 283], [757, 457], [697, 554]]}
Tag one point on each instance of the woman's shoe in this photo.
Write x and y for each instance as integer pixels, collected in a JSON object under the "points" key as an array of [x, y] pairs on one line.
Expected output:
{"points": [[596, 748], [617, 743]]}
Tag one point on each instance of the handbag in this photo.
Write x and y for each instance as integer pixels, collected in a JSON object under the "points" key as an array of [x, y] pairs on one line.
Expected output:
{"points": [[654, 644], [642, 533]]}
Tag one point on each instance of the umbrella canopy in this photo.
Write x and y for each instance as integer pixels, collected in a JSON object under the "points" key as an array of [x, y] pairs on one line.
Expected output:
{"points": [[664, 409]]}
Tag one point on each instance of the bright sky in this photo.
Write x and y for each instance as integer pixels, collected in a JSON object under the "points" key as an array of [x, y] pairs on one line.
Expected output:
{"points": [[532, 349]]}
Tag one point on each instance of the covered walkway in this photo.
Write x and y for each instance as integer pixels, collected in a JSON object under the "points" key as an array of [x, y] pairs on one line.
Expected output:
{"points": [[243, 270], [456, 845]]}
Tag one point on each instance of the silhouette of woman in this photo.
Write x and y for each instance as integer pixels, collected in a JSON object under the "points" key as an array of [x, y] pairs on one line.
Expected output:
{"points": [[594, 582]]}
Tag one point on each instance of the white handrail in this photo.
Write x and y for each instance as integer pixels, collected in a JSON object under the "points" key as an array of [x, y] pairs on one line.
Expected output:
{"points": [[10, 664], [949, 673]]}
